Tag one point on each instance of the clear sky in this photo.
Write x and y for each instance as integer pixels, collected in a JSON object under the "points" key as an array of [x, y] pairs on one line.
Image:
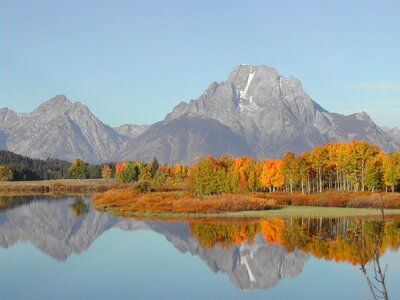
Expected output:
{"points": [[133, 61]]}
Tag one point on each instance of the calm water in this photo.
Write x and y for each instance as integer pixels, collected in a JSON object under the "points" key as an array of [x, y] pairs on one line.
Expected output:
{"points": [[62, 249]]}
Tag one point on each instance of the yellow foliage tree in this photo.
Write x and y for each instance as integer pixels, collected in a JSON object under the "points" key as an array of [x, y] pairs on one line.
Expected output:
{"points": [[6, 173]]}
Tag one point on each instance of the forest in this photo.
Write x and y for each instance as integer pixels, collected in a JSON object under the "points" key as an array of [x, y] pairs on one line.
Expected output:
{"points": [[351, 166], [15, 167]]}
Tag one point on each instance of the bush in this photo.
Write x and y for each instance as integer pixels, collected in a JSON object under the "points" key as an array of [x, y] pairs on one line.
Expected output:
{"points": [[143, 186]]}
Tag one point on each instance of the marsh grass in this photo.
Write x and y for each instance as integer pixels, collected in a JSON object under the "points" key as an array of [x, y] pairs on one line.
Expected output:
{"points": [[131, 202], [57, 187]]}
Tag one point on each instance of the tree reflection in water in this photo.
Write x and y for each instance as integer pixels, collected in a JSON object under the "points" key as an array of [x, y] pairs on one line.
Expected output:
{"points": [[359, 242], [79, 207], [373, 269]]}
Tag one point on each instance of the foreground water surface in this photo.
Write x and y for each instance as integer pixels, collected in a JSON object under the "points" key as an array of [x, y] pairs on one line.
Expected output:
{"points": [[63, 249]]}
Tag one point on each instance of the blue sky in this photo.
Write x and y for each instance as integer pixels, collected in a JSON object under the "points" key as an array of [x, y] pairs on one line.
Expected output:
{"points": [[133, 61]]}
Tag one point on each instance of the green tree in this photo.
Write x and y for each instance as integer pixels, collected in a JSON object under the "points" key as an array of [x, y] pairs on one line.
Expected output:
{"points": [[131, 172], [154, 167]]}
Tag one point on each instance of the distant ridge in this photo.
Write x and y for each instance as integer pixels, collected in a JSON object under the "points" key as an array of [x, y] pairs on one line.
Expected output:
{"points": [[255, 112]]}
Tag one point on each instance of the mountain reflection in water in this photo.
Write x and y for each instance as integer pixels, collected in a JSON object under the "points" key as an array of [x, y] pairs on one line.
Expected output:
{"points": [[255, 254]]}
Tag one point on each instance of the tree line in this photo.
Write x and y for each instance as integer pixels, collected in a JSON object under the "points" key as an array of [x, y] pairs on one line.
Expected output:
{"points": [[21, 168], [132, 171], [350, 166]]}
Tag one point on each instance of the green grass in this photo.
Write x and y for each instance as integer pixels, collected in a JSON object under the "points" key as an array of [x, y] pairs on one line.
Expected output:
{"points": [[281, 212]]}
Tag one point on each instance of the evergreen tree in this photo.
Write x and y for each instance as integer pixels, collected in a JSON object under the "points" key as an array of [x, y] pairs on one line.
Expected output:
{"points": [[154, 167]]}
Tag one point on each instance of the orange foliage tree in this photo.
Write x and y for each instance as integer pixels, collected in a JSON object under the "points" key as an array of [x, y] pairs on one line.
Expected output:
{"points": [[106, 172], [271, 177]]}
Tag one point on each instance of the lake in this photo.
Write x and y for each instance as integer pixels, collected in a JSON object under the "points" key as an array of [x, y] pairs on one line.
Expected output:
{"points": [[60, 248]]}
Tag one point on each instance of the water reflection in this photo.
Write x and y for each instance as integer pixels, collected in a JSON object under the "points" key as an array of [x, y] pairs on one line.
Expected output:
{"points": [[8, 202], [376, 281], [79, 207], [255, 254]]}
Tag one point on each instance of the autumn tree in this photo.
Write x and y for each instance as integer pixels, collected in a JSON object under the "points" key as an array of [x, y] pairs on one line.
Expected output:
{"points": [[290, 170], [179, 172], [106, 172], [119, 170], [358, 154], [127, 171], [390, 165], [79, 169], [145, 171], [372, 173], [271, 176], [304, 172], [207, 176], [6, 173], [319, 161], [241, 175]]}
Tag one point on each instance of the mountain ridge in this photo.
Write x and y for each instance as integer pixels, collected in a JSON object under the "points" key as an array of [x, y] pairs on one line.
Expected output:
{"points": [[255, 112]]}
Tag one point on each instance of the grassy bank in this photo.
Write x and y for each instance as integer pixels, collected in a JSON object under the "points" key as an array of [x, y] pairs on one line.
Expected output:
{"points": [[57, 187], [278, 212], [126, 201], [131, 202]]}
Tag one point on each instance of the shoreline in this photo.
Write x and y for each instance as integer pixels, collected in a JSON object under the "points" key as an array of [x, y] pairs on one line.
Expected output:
{"points": [[279, 212], [57, 187], [181, 204], [115, 206]]}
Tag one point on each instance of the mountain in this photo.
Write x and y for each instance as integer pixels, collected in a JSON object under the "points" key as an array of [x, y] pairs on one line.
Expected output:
{"points": [[394, 133], [255, 112], [59, 129], [184, 139], [131, 130]]}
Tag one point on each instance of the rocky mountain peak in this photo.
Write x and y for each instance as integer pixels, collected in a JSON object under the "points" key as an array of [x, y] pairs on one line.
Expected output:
{"points": [[6, 115], [255, 112], [272, 113], [61, 106], [54, 106], [131, 130], [250, 89], [363, 116]]}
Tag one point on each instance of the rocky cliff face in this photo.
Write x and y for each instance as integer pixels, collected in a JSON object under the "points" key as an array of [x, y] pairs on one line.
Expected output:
{"points": [[273, 114], [255, 112]]}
